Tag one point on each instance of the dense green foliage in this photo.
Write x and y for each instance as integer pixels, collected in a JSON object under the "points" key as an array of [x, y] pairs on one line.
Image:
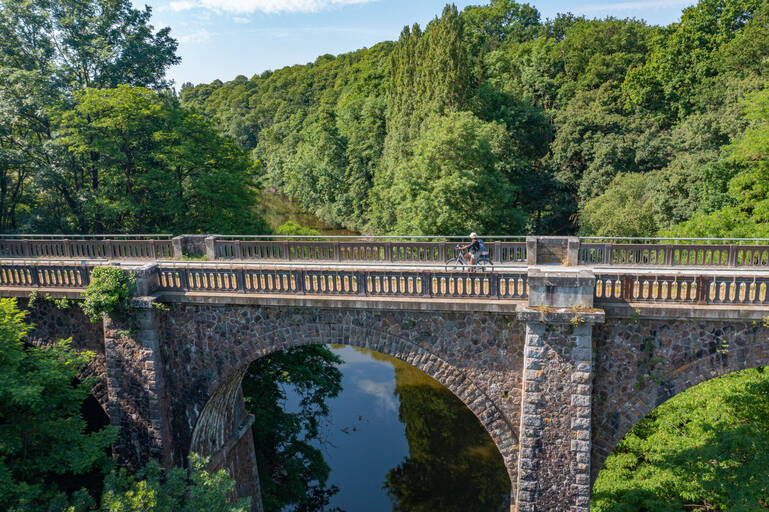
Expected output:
{"points": [[137, 162], [292, 472], [493, 120], [705, 449], [178, 490], [109, 292], [46, 452], [91, 141]]}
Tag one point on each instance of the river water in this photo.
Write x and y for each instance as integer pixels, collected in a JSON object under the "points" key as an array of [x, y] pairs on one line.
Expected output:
{"points": [[278, 209], [397, 440]]}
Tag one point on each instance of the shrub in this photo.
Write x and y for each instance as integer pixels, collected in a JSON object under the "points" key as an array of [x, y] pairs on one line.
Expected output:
{"points": [[110, 292]]}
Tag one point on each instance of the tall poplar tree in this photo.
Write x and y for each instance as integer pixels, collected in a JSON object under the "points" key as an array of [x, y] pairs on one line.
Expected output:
{"points": [[430, 76]]}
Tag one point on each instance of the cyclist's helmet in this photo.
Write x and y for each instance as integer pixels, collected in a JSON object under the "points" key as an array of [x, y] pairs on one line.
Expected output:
{"points": [[473, 235]]}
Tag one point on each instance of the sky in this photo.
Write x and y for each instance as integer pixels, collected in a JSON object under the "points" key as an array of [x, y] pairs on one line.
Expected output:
{"points": [[221, 39]]}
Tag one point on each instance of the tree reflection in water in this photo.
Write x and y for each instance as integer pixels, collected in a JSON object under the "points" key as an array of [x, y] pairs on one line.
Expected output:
{"points": [[292, 471], [451, 465]]}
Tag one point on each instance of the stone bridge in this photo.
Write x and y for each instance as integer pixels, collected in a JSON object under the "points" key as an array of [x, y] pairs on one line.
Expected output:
{"points": [[559, 350]]}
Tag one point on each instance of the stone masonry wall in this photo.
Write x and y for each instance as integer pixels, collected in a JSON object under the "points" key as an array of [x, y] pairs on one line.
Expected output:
{"points": [[640, 363], [476, 355], [52, 324], [136, 384], [554, 463]]}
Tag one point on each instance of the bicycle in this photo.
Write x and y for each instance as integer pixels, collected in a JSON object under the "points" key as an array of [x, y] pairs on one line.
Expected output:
{"points": [[459, 262]]}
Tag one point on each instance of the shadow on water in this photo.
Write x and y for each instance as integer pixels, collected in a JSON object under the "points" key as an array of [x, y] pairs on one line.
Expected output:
{"points": [[346, 429]]}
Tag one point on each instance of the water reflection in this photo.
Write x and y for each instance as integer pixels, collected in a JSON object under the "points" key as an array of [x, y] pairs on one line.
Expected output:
{"points": [[278, 209], [393, 440]]}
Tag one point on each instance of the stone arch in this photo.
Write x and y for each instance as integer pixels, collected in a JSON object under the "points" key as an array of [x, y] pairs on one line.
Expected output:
{"points": [[222, 415], [51, 324], [612, 426]]}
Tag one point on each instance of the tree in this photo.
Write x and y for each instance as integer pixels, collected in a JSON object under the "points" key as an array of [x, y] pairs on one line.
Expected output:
{"points": [[292, 471], [176, 490], [48, 52], [90, 43], [705, 449], [455, 182], [132, 160], [45, 451], [623, 209], [746, 214], [487, 26], [687, 55], [430, 76]]}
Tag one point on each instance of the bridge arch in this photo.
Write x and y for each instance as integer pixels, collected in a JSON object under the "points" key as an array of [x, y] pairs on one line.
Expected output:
{"points": [[714, 350], [224, 414]]}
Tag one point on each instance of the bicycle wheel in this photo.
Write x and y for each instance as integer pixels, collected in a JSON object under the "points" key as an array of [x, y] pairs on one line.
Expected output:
{"points": [[454, 264]]}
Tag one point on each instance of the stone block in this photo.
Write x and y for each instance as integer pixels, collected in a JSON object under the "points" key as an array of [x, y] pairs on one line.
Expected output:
{"points": [[580, 423], [580, 446], [580, 400], [561, 289]]}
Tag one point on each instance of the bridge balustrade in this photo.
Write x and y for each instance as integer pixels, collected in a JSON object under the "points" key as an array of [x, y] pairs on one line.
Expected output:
{"points": [[45, 276], [86, 249], [647, 286], [678, 289], [371, 283], [671, 255], [362, 251]]}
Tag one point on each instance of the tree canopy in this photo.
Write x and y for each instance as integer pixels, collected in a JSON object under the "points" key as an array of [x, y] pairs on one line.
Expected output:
{"points": [[579, 108], [46, 451], [705, 449]]}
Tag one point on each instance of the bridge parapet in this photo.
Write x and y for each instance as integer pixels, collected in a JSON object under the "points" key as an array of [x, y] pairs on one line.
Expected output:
{"points": [[508, 251], [647, 285]]}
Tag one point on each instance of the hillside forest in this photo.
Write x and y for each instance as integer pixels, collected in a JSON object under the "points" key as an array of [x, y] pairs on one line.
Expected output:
{"points": [[489, 119], [494, 120]]}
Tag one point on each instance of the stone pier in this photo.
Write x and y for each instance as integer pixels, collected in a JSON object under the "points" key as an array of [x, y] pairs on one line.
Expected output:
{"points": [[555, 433]]}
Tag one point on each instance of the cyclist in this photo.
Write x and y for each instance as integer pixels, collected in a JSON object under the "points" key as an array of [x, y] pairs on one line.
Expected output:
{"points": [[473, 248]]}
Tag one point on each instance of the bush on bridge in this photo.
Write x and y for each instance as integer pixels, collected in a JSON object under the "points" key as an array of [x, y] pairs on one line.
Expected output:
{"points": [[109, 292]]}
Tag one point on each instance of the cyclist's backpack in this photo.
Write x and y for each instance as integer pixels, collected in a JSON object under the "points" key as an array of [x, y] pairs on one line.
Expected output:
{"points": [[481, 248]]}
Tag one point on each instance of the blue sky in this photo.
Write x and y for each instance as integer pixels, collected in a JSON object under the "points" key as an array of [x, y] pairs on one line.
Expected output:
{"points": [[225, 38]]}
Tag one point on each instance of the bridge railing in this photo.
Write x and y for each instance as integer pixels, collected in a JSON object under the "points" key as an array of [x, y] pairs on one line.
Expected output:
{"points": [[91, 249], [713, 289], [631, 253], [45, 275], [368, 283], [246, 279], [673, 255], [644, 286], [359, 251]]}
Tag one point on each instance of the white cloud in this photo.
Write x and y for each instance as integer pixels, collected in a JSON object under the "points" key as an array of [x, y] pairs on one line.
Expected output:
{"points": [[199, 36], [275, 6], [382, 391], [238, 19], [182, 5], [635, 5]]}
